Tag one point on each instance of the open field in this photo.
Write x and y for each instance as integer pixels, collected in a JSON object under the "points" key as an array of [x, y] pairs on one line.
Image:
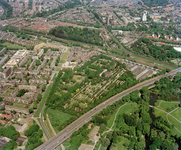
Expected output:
{"points": [[175, 122], [20, 105], [37, 113], [15, 46], [164, 105], [119, 145], [63, 59], [177, 114], [170, 119], [160, 113], [7, 92], [66, 144], [57, 117]]}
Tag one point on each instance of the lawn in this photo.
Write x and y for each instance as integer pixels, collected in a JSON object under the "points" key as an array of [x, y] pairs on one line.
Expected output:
{"points": [[66, 144], [176, 124], [119, 145], [177, 114], [57, 117], [159, 113], [171, 119], [15, 46], [7, 92], [167, 104], [37, 113], [128, 108], [63, 59], [20, 105]]}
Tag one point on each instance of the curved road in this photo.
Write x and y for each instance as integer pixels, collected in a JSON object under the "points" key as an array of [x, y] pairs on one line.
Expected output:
{"points": [[42, 122], [67, 132]]}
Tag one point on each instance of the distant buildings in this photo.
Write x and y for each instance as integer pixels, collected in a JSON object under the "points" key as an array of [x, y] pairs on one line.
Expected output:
{"points": [[27, 87], [3, 60], [16, 58], [10, 108], [69, 65], [2, 51]]}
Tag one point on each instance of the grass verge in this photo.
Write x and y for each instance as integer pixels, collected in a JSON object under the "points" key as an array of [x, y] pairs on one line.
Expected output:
{"points": [[37, 113], [42, 127], [49, 128]]}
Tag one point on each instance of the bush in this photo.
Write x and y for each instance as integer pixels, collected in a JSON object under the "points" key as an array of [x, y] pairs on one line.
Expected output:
{"points": [[31, 110]]}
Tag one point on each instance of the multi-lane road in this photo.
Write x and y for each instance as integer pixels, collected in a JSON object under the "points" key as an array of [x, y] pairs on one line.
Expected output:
{"points": [[66, 133]]}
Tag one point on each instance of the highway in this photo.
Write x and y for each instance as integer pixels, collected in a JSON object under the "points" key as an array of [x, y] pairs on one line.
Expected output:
{"points": [[67, 132]]}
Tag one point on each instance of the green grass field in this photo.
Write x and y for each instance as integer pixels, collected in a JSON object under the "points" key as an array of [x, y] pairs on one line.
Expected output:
{"points": [[15, 46], [120, 144], [177, 113], [37, 113], [166, 104], [7, 93], [176, 124], [171, 119], [128, 108], [66, 144], [57, 117], [20, 105], [63, 59]]}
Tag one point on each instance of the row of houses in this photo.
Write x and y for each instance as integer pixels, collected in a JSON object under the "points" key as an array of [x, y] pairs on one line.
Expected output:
{"points": [[14, 39]]}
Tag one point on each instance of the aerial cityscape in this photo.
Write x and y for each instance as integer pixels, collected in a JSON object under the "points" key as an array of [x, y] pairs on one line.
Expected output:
{"points": [[90, 74]]}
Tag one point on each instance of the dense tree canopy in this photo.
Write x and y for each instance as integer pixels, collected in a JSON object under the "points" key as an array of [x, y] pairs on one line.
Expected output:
{"points": [[77, 34]]}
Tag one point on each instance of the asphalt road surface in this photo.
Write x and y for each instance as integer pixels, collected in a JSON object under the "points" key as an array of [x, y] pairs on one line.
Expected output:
{"points": [[68, 131]]}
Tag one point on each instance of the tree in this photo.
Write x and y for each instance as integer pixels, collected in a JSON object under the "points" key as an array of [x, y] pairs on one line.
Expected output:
{"points": [[38, 62], [109, 136], [105, 142], [103, 75], [31, 110], [162, 135], [35, 105], [139, 146], [102, 128], [39, 97], [146, 129], [115, 136], [43, 87], [152, 147]]}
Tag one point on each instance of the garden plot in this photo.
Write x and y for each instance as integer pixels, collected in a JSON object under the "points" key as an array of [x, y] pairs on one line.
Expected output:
{"points": [[78, 78]]}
